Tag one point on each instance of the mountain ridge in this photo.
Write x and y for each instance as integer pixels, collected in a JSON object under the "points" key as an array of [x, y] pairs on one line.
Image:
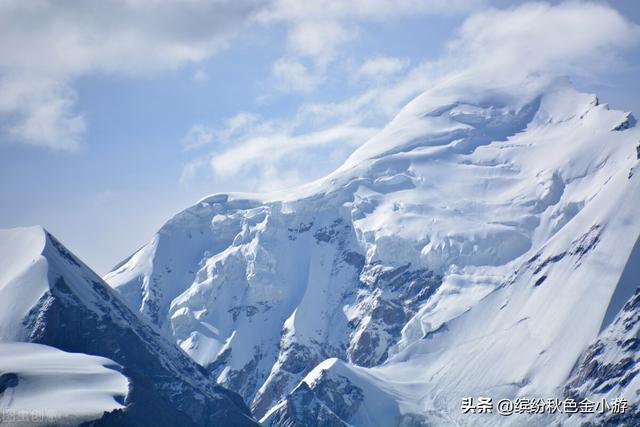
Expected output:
{"points": [[469, 195]]}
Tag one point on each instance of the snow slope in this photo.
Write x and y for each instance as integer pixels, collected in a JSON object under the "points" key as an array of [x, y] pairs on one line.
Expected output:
{"points": [[54, 386], [475, 246], [20, 262], [48, 296]]}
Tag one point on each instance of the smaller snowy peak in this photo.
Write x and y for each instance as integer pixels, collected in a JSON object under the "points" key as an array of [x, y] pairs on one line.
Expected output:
{"points": [[337, 394], [54, 299], [48, 386]]}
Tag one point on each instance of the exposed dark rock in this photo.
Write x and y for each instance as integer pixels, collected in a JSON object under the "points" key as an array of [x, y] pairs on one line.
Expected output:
{"points": [[299, 358], [354, 259], [628, 122], [303, 409], [540, 281], [610, 363], [247, 310], [299, 229], [551, 260], [63, 251], [8, 380], [395, 296], [244, 381], [296, 360], [578, 248], [330, 401]]}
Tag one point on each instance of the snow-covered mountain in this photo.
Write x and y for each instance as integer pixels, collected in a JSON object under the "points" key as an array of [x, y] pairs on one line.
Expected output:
{"points": [[49, 297], [479, 245]]}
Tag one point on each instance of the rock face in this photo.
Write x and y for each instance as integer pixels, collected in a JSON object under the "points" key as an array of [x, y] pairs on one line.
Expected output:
{"points": [[328, 403], [335, 394], [609, 367], [482, 224], [49, 297], [257, 328]]}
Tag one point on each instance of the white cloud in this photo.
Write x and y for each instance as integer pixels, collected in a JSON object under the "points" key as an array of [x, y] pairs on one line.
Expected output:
{"points": [[362, 9], [318, 39], [293, 75], [570, 38], [381, 67], [318, 30], [200, 135], [238, 123], [46, 44], [269, 149], [193, 171], [200, 76], [269, 154], [39, 112], [196, 137]]}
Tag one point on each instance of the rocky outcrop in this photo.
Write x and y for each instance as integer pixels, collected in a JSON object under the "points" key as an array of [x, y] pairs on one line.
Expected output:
{"points": [[79, 313], [609, 369]]}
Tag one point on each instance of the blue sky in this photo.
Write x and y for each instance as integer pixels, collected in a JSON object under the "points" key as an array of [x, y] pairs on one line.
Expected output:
{"points": [[116, 115]]}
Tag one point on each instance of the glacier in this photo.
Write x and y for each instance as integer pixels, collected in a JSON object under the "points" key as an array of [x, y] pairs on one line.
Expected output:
{"points": [[481, 244]]}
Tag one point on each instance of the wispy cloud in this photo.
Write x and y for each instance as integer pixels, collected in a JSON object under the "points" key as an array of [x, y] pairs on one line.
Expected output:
{"points": [[318, 31], [381, 67], [200, 135], [574, 38], [272, 148], [200, 76], [292, 75], [197, 136], [271, 153]]}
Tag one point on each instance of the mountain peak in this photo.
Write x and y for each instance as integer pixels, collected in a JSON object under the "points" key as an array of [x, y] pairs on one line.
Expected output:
{"points": [[477, 210], [464, 108]]}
